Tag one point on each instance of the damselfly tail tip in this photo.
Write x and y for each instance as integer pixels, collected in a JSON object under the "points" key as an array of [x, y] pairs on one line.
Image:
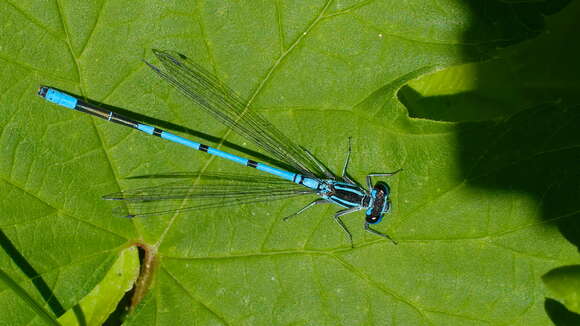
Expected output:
{"points": [[42, 90]]}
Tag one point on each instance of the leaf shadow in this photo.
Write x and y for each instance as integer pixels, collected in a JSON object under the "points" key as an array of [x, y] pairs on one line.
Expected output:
{"points": [[33, 275], [559, 315], [534, 150], [520, 138]]}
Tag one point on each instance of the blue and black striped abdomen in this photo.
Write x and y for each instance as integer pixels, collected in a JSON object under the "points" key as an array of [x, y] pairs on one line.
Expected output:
{"points": [[347, 195]]}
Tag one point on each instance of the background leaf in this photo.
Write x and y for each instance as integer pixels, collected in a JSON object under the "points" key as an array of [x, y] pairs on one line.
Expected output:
{"points": [[563, 284], [97, 306], [478, 210]]}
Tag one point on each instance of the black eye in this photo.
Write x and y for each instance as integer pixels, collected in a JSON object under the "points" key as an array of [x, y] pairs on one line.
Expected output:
{"points": [[388, 206], [372, 219]]}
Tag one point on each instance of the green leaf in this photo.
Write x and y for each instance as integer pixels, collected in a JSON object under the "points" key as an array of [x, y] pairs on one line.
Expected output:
{"points": [[564, 285], [479, 210], [32, 304], [95, 308]]}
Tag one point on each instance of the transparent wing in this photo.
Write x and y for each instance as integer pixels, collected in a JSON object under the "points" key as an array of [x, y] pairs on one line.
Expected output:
{"points": [[215, 190], [223, 104]]}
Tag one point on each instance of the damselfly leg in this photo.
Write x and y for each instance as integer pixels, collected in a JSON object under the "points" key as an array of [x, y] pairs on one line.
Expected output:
{"points": [[380, 234], [321, 166], [345, 167], [341, 223], [316, 202], [387, 174]]}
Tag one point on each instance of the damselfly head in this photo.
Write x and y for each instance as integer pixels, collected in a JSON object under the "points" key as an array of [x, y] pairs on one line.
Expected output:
{"points": [[381, 203]]}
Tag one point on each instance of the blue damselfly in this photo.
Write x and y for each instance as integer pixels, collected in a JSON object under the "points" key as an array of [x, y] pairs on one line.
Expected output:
{"points": [[307, 176]]}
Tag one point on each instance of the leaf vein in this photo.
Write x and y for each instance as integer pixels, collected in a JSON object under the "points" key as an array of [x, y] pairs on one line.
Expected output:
{"points": [[194, 298]]}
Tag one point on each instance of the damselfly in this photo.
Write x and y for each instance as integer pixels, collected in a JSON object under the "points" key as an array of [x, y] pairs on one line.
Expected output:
{"points": [[306, 176]]}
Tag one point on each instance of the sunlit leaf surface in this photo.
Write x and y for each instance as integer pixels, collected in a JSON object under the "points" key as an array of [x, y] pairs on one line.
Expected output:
{"points": [[479, 211]]}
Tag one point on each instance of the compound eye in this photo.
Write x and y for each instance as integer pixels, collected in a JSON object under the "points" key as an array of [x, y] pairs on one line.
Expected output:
{"points": [[387, 206], [373, 219]]}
